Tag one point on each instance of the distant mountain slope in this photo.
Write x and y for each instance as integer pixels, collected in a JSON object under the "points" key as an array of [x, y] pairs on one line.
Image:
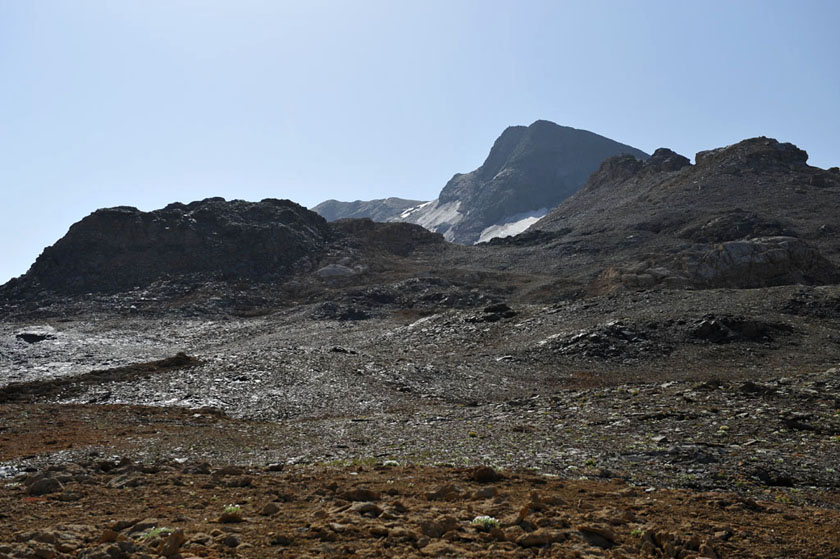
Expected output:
{"points": [[385, 209], [752, 214], [530, 169]]}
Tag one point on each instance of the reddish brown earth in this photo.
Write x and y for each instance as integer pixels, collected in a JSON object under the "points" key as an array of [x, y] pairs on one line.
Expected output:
{"points": [[106, 507]]}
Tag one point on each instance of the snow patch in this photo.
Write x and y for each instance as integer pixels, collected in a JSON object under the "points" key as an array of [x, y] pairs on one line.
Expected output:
{"points": [[513, 225], [435, 216], [407, 213]]}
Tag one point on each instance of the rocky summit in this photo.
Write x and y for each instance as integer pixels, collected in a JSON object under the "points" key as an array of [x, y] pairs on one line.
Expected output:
{"points": [[530, 169], [650, 370]]}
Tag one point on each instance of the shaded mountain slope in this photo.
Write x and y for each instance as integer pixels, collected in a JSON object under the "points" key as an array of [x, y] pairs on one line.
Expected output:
{"points": [[748, 215], [530, 169], [384, 209]]}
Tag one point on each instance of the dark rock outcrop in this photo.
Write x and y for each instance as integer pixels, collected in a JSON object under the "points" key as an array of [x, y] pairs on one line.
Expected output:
{"points": [[755, 154], [752, 214], [119, 248]]}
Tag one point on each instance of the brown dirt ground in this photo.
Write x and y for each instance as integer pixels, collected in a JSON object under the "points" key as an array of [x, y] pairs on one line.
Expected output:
{"points": [[320, 510]]}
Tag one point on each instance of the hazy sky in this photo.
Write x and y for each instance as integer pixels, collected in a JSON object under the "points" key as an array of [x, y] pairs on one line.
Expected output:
{"points": [[141, 103]]}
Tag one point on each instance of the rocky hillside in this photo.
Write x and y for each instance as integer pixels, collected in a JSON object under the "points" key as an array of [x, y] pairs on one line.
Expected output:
{"points": [[274, 243], [385, 209], [118, 248], [529, 170], [753, 214]]}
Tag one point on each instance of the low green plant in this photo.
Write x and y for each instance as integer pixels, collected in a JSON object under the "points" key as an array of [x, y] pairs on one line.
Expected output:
{"points": [[156, 532], [637, 532], [484, 523], [232, 509]]}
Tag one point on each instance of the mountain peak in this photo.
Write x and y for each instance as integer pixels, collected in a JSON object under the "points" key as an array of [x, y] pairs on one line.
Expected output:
{"points": [[529, 170]]}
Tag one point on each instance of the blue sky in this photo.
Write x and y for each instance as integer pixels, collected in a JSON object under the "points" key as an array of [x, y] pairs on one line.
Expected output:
{"points": [[142, 103]]}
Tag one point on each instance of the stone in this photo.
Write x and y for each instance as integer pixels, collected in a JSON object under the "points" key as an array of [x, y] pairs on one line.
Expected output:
{"points": [[539, 538], [401, 534], [360, 494], [485, 474], [44, 486], [366, 509], [144, 525], [172, 544], [231, 540], [270, 509], [439, 549], [486, 493], [708, 551], [445, 493], [597, 535], [231, 517], [439, 526]]}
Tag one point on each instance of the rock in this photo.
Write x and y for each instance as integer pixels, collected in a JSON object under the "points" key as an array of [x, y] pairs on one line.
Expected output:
{"points": [[439, 526], [231, 517], [270, 509], [760, 262], [71, 496], [379, 531], [439, 549], [144, 525], [540, 537], [200, 468], [485, 474], [499, 308], [109, 536], [485, 493], [44, 486], [445, 493], [665, 160], [172, 544], [708, 551], [33, 337], [117, 550], [280, 539], [229, 471], [597, 535], [360, 494], [243, 481], [231, 540], [126, 480], [401, 534], [120, 525], [335, 270], [366, 509]]}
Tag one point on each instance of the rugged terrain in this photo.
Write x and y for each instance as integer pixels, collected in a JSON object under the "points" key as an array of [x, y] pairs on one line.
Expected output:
{"points": [[651, 372]]}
